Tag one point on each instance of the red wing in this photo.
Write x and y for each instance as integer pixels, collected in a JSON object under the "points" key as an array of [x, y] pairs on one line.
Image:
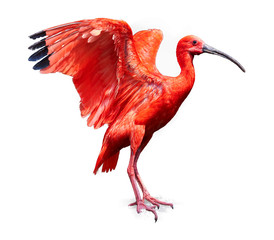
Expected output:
{"points": [[93, 53], [147, 43]]}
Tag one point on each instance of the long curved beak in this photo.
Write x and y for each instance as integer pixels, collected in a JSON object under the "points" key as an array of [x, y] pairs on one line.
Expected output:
{"points": [[211, 50]]}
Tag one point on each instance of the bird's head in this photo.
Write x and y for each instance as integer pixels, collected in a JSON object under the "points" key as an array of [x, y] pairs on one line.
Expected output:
{"points": [[195, 46]]}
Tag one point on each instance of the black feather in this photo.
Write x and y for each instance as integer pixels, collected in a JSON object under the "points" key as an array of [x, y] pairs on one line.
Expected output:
{"points": [[37, 45], [38, 34], [42, 64], [39, 54]]}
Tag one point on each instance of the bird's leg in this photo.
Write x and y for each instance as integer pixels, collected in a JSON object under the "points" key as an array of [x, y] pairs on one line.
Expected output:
{"points": [[146, 194], [139, 201], [136, 138], [130, 171]]}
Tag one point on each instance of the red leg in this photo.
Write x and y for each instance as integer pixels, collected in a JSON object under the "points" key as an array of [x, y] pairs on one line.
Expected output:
{"points": [[135, 177], [146, 195], [139, 201], [136, 140]]}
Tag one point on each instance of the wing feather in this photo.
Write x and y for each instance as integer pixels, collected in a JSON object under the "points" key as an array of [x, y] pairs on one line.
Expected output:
{"points": [[89, 51], [147, 43], [108, 65]]}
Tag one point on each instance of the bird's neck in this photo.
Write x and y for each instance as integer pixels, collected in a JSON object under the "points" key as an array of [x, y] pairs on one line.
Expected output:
{"points": [[183, 83], [185, 60]]}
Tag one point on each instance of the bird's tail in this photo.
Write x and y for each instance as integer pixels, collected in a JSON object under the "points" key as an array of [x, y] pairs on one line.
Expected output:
{"points": [[109, 163]]}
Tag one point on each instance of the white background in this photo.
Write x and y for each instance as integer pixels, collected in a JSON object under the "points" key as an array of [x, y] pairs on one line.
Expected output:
{"points": [[214, 160]]}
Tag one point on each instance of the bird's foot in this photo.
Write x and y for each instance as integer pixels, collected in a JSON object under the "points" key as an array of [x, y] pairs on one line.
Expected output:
{"points": [[156, 202], [141, 205]]}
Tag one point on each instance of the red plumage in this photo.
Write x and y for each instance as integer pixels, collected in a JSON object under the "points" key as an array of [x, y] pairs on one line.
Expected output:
{"points": [[115, 75]]}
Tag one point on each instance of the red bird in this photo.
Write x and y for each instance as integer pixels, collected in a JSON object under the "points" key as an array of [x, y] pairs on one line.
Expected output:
{"points": [[119, 85]]}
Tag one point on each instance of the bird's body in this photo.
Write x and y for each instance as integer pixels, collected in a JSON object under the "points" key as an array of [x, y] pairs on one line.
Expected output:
{"points": [[115, 75]]}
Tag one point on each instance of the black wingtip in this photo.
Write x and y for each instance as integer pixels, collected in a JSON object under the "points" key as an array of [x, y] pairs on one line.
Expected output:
{"points": [[42, 64], [38, 34], [38, 45], [39, 54]]}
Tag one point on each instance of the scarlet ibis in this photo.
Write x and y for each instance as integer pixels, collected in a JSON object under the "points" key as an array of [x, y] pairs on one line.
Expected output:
{"points": [[119, 85]]}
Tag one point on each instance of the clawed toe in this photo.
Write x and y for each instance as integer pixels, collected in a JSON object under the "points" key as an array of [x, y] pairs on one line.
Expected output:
{"points": [[132, 204], [157, 202], [141, 205]]}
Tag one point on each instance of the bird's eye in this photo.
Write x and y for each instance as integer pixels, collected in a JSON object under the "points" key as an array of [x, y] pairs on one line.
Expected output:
{"points": [[194, 42]]}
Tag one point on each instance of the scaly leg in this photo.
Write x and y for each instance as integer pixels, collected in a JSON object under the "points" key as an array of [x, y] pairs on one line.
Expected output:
{"points": [[136, 138], [146, 195], [139, 202]]}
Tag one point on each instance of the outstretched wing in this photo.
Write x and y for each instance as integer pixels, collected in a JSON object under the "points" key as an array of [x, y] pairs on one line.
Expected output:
{"points": [[101, 56], [147, 43], [93, 53]]}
